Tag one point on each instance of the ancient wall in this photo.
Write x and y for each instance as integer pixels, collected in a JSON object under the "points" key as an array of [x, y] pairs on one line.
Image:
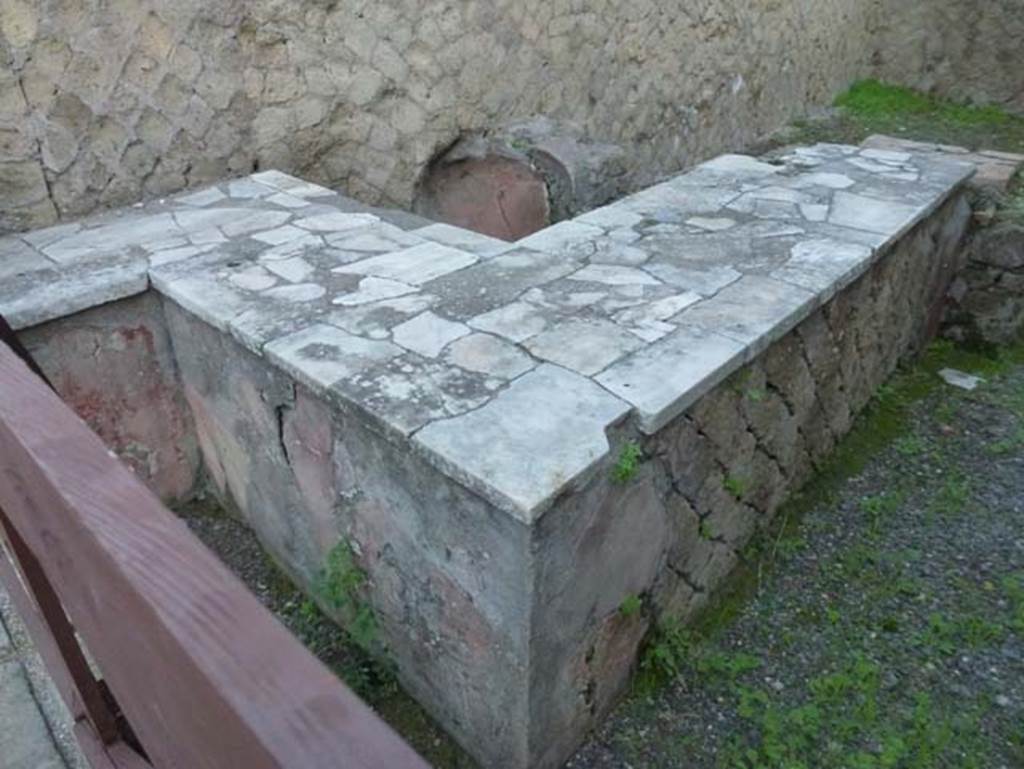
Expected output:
{"points": [[103, 102]]}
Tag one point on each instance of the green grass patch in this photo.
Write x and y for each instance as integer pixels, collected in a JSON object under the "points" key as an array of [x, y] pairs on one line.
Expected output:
{"points": [[874, 100], [676, 651], [871, 107]]}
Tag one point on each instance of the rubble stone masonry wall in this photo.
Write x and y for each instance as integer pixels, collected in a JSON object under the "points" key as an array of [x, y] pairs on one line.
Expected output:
{"points": [[105, 102]]}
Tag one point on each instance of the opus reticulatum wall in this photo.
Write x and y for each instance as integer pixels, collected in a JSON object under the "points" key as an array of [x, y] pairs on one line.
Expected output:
{"points": [[106, 103]]}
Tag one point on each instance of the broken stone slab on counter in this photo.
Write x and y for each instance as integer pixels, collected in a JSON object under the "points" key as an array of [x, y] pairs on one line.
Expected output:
{"points": [[995, 170], [453, 406]]}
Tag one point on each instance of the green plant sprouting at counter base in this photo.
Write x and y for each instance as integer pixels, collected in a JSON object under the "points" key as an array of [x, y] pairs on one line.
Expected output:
{"points": [[339, 587], [629, 462], [631, 606]]}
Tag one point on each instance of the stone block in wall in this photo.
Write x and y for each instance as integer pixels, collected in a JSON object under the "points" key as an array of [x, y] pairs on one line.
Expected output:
{"points": [[988, 303]]}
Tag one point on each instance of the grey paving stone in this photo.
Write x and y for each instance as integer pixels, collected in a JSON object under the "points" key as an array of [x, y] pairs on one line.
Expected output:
{"points": [[464, 240], [755, 311], [376, 319], [488, 354], [863, 213], [614, 275], [743, 165], [825, 266], [610, 217], [25, 740], [247, 188], [215, 303], [201, 198], [48, 235], [404, 393], [336, 222], [535, 439], [114, 238], [517, 321], [498, 280], [371, 290], [428, 334], [301, 292], [254, 220], [377, 238], [321, 355], [665, 378], [415, 266], [705, 281], [42, 295], [560, 237], [290, 184], [584, 346], [18, 258]]}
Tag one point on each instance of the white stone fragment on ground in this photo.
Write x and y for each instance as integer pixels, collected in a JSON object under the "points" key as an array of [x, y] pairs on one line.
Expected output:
{"points": [[961, 379]]}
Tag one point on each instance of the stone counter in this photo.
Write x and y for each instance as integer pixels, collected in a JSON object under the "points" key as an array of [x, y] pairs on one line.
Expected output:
{"points": [[453, 408]]}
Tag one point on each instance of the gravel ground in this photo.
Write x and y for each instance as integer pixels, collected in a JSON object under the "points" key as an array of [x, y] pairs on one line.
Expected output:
{"points": [[883, 627]]}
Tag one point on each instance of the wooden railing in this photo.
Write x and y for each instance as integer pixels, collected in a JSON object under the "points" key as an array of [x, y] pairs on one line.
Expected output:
{"points": [[195, 671]]}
